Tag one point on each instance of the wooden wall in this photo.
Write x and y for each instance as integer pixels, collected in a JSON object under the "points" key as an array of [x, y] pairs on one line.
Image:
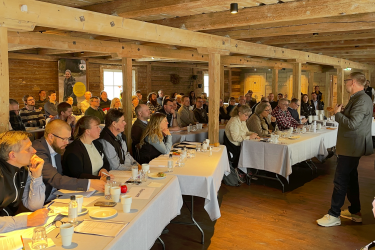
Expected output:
{"points": [[29, 76]]}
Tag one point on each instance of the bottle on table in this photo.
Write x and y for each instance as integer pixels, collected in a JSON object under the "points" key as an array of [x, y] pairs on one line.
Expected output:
{"points": [[107, 189], [73, 210], [170, 163]]}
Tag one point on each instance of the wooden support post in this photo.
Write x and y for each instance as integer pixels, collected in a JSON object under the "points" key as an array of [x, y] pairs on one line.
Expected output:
{"points": [[275, 82], [148, 79], [229, 83], [222, 82], [214, 93], [297, 80], [4, 80], [327, 93], [311, 84], [340, 85], [126, 97]]}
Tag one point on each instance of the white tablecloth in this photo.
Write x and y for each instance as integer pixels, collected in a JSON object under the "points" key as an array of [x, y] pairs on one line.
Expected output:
{"points": [[196, 136], [279, 158], [201, 176], [145, 225]]}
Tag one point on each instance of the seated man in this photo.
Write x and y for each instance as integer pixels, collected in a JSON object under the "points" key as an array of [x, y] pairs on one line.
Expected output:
{"points": [[143, 114], [231, 105], [50, 107], [65, 113], [179, 101], [241, 101], [114, 142], [39, 104], [30, 116], [263, 99], [50, 148], [223, 115], [105, 103], [85, 104], [199, 112], [271, 99], [20, 173], [185, 115], [152, 103], [171, 114], [14, 117], [95, 109], [250, 100], [205, 103], [293, 106], [75, 109], [315, 103], [283, 118]]}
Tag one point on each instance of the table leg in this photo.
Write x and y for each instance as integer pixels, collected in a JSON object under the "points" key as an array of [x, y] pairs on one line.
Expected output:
{"points": [[271, 178], [192, 218], [313, 164], [162, 242], [312, 169]]}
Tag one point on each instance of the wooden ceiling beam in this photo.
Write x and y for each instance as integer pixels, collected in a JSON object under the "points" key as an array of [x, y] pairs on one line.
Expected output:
{"points": [[160, 9], [66, 18], [20, 56], [343, 49], [308, 26], [291, 11], [334, 44], [14, 47], [321, 37]]}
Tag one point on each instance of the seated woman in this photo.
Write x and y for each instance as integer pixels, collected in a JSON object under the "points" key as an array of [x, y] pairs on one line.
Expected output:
{"points": [[116, 104], [236, 131], [306, 108], [223, 112], [114, 141], [258, 121], [84, 158], [156, 139]]}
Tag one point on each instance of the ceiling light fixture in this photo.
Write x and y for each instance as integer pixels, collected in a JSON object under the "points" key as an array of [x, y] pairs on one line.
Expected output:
{"points": [[234, 8]]}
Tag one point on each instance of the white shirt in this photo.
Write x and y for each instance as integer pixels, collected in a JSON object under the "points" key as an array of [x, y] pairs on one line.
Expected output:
{"points": [[315, 104], [95, 157]]}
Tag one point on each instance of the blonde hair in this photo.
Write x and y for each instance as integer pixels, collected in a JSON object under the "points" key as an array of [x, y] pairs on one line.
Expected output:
{"points": [[113, 102], [56, 125], [153, 130], [11, 141]]}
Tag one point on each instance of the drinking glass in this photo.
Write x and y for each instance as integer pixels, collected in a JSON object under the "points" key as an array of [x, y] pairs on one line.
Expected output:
{"points": [[192, 153], [181, 161], [134, 172], [199, 147], [40, 240]]}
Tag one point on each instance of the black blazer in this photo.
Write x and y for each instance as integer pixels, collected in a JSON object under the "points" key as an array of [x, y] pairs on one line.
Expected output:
{"points": [[77, 162], [320, 105], [53, 177]]}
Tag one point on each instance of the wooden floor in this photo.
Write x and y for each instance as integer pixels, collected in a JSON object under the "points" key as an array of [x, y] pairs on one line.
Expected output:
{"points": [[261, 217]]}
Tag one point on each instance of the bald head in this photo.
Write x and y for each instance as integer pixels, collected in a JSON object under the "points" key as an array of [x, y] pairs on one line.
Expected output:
{"points": [[143, 112]]}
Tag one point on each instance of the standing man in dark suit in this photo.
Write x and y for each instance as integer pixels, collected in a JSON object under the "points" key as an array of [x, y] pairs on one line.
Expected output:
{"points": [[50, 148], [318, 93], [315, 103], [353, 141]]}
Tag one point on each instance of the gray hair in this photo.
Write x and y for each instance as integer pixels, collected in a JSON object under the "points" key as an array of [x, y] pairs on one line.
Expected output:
{"points": [[244, 109], [261, 107], [283, 100], [359, 77]]}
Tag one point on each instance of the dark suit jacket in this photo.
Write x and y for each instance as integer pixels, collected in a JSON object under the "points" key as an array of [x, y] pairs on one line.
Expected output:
{"points": [[53, 177], [136, 133], [320, 105], [354, 134], [77, 162]]}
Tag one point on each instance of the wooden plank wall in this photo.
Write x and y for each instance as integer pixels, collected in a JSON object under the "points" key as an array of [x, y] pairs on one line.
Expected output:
{"points": [[29, 76]]}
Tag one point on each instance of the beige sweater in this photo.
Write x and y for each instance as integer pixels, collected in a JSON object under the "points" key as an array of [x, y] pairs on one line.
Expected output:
{"points": [[236, 131]]}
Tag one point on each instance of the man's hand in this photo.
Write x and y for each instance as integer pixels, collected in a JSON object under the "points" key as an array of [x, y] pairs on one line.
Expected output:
{"points": [[97, 184], [37, 218], [36, 166], [337, 108], [303, 121], [71, 119], [173, 111], [273, 119], [254, 136], [104, 173]]}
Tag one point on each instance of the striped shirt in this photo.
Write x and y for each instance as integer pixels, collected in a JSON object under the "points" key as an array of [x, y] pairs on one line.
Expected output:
{"points": [[32, 118]]}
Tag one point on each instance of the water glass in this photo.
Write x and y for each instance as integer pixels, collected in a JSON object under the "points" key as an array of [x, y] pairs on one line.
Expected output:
{"points": [[199, 147], [40, 240], [144, 175], [188, 128], [134, 172], [181, 161], [192, 153]]}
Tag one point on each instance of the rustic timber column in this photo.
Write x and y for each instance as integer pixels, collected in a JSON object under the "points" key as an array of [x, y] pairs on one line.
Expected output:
{"points": [[275, 82], [148, 79], [4, 80], [327, 94], [214, 93], [222, 81], [229, 83], [127, 97], [311, 84], [297, 70], [340, 85]]}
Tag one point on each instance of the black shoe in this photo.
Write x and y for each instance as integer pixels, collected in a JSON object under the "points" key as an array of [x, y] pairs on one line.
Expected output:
{"points": [[165, 231], [330, 154]]}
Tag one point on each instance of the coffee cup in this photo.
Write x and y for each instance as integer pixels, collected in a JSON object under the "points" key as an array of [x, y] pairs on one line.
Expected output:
{"points": [[126, 201], [66, 232], [115, 193], [146, 168]]}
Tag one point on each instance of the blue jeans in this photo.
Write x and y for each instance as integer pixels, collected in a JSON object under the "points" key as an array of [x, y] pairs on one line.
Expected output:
{"points": [[346, 184]]}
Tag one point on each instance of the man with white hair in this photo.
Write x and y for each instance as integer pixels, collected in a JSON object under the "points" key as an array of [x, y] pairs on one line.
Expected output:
{"points": [[85, 104], [284, 119]]}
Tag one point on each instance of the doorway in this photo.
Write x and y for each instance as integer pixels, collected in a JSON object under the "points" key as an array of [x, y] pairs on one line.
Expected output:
{"points": [[255, 82]]}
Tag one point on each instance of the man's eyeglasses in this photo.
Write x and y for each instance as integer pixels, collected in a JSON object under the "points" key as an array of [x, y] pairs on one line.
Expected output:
{"points": [[267, 110], [64, 139], [347, 80]]}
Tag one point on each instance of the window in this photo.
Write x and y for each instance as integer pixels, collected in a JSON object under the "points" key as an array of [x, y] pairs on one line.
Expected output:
{"points": [[112, 80], [205, 84]]}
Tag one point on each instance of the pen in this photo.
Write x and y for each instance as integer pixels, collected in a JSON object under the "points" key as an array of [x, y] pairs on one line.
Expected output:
{"points": [[105, 173], [23, 244], [50, 204]]}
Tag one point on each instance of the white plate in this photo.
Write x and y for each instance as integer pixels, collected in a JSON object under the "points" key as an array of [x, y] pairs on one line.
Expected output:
{"points": [[65, 211], [294, 137], [155, 176], [103, 213]]}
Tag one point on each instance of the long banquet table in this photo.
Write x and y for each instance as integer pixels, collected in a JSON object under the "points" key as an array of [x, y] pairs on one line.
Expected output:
{"points": [[201, 176], [279, 158], [196, 136], [145, 224]]}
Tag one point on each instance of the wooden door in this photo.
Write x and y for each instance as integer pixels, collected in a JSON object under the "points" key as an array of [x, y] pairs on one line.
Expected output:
{"points": [[255, 82]]}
